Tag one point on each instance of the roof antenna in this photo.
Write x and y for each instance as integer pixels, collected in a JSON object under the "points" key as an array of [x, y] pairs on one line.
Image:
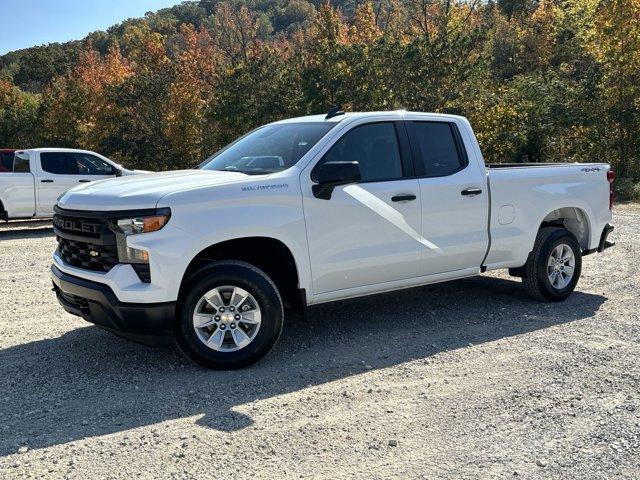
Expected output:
{"points": [[334, 112]]}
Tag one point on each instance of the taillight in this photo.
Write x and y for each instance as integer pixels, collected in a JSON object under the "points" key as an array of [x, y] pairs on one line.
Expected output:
{"points": [[611, 176]]}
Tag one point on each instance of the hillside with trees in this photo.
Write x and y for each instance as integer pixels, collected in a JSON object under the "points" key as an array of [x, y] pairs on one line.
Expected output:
{"points": [[539, 80]]}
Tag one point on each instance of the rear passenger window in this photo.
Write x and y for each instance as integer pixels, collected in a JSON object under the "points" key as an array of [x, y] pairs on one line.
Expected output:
{"points": [[437, 148], [56, 163], [6, 162]]}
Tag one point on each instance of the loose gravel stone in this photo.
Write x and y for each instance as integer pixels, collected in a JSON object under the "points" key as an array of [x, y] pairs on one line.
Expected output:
{"points": [[480, 382]]}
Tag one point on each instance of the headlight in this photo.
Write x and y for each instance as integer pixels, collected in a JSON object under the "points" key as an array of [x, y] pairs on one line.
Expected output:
{"points": [[133, 226], [124, 227]]}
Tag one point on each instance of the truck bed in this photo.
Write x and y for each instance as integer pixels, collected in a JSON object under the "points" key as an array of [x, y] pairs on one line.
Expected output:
{"points": [[524, 195]]}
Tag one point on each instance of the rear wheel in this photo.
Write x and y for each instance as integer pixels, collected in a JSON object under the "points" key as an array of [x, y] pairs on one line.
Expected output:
{"points": [[231, 316], [553, 268]]}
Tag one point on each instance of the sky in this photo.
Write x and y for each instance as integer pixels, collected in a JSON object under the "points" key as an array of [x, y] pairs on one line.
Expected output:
{"points": [[26, 23]]}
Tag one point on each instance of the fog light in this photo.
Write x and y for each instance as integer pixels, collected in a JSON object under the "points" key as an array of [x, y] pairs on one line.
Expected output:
{"points": [[128, 254]]}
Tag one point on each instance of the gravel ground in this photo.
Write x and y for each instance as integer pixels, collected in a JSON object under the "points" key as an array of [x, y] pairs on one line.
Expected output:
{"points": [[466, 379]]}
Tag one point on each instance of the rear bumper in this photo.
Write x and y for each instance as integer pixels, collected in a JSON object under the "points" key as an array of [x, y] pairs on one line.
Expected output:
{"points": [[148, 323], [604, 243]]}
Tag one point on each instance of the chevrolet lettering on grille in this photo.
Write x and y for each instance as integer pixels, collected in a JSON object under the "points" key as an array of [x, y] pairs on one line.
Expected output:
{"points": [[75, 225]]}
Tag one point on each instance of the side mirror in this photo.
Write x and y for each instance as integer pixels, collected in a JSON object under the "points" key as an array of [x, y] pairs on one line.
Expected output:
{"points": [[117, 172], [332, 174]]}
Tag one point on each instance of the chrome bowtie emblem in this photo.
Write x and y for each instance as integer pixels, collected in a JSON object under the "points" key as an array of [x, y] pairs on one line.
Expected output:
{"points": [[94, 253]]}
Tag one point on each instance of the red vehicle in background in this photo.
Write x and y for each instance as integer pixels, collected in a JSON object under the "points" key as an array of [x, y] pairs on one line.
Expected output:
{"points": [[6, 159]]}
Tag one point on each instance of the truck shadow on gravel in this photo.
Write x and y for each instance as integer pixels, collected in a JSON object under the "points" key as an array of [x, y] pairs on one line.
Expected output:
{"points": [[89, 383]]}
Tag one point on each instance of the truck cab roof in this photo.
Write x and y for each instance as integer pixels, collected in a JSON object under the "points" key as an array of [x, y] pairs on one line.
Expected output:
{"points": [[55, 149], [371, 115]]}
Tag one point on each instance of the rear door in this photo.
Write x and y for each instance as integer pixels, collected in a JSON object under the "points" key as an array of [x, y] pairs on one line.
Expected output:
{"points": [[455, 200], [18, 186], [57, 175], [91, 167]]}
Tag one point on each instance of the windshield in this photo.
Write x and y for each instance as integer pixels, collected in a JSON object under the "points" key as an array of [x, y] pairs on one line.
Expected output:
{"points": [[268, 149]]}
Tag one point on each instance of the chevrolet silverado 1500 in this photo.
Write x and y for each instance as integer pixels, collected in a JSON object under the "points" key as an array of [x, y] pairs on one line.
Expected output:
{"points": [[311, 210]]}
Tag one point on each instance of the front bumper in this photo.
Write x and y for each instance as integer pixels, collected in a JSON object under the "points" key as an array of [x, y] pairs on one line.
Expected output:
{"points": [[148, 323]]}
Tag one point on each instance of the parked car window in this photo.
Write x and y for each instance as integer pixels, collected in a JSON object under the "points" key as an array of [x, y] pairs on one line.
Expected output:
{"points": [[374, 147], [86, 164], [56, 163], [268, 149], [6, 162], [21, 165], [436, 150]]}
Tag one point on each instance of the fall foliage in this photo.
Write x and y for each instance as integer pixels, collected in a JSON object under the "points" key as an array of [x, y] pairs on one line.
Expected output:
{"points": [[543, 80]]}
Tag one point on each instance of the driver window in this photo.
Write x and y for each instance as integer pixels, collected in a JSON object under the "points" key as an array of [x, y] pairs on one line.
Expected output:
{"points": [[90, 165], [374, 147]]}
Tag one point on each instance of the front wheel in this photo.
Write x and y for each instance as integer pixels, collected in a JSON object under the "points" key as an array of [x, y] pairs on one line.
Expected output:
{"points": [[553, 268], [231, 316]]}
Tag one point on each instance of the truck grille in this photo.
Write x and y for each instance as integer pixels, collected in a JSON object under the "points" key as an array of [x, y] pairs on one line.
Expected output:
{"points": [[85, 242], [88, 242], [81, 254]]}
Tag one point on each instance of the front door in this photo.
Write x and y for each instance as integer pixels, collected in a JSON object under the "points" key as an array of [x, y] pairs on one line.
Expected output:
{"points": [[366, 233]]}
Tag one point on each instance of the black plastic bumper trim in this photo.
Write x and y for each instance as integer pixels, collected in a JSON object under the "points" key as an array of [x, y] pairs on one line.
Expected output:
{"points": [[604, 243], [96, 303]]}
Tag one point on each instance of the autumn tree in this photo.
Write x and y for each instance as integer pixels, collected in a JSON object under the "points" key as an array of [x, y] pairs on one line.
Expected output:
{"points": [[616, 45], [323, 67], [541, 80], [78, 108], [20, 125], [194, 79], [140, 102], [265, 88], [235, 29]]}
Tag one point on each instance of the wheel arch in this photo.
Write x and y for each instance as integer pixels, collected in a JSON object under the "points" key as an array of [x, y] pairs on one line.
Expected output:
{"points": [[269, 254], [574, 219]]}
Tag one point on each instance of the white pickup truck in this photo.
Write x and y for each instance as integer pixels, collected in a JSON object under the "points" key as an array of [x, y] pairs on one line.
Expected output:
{"points": [[32, 180], [312, 210]]}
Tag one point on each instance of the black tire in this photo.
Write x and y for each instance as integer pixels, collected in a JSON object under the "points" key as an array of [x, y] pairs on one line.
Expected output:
{"points": [[536, 280], [247, 277]]}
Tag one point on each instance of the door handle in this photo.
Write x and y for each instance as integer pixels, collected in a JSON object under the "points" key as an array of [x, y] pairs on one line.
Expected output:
{"points": [[46, 181], [84, 181], [471, 191], [403, 198]]}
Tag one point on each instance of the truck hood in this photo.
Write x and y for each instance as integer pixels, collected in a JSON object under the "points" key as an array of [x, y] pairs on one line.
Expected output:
{"points": [[141, 191]]}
